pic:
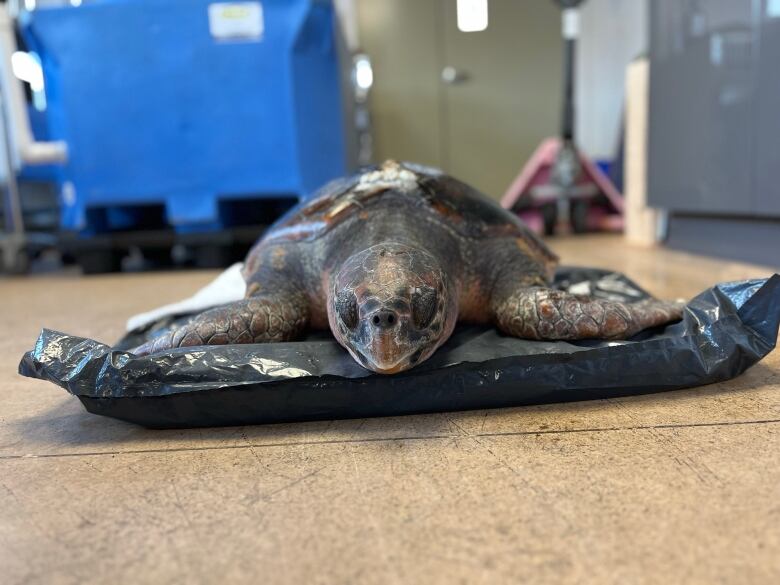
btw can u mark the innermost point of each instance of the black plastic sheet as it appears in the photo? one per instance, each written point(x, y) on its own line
point(724, 330)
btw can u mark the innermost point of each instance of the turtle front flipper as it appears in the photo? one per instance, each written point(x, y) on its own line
point(544, 313)
point(258, 319)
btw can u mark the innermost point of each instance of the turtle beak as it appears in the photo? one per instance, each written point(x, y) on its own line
point(385, 354)
point(382, 352)
point(393, 370)
point(380, 367)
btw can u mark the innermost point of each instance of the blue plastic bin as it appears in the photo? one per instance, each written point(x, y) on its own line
point(174, 109)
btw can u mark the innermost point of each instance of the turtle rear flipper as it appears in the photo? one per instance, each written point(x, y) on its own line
point(549, 314)
point(253, 320)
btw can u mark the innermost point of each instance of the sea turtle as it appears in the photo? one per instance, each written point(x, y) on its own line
point(390, 259)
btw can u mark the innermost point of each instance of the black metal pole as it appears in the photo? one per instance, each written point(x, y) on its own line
point(570, 32)
point(569, 58)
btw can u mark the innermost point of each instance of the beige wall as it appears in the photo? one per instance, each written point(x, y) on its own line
point(347, 13)
point(400, 37)
point(613, 33)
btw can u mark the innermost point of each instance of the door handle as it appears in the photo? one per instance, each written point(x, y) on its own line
point(453, 76)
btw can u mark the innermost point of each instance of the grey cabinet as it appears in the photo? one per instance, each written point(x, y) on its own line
point(714, 133)
point(766, 152)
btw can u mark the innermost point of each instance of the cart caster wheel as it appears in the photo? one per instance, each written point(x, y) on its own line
point(579, 216)
point(99, 261)
point(158, 257)
point(212, 256)
point(18, 264)
point(549, 213)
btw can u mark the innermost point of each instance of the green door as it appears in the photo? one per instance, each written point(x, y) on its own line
point(474, 103)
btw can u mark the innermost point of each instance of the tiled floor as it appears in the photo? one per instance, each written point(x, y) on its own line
point(676, 487)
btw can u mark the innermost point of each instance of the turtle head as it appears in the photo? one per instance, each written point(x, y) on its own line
point(391, 306)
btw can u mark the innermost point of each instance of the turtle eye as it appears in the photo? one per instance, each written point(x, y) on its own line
point(346, 309)
point(423, 307)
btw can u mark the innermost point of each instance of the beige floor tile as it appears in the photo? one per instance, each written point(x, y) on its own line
point(682, 505)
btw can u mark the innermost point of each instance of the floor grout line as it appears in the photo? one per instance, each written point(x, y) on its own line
point(391, 439)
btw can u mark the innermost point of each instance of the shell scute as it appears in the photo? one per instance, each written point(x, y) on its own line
point(462, 207)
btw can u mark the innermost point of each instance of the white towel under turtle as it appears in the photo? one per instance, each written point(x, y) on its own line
point(229, 286)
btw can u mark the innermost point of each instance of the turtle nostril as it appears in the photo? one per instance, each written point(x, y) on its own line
point(384, 319)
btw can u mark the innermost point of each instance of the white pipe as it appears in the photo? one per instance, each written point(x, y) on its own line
point(26, 149)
